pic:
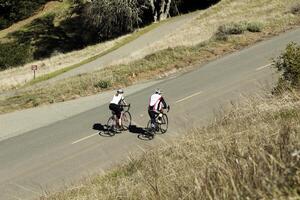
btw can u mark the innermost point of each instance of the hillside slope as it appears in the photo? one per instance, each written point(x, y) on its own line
point(274, 15)
point(250, 152)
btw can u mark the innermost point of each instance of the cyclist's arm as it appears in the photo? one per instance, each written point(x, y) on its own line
point(123, 102)
point(164, 103)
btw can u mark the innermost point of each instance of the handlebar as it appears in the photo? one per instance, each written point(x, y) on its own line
point(168, 109)
point(128, 107)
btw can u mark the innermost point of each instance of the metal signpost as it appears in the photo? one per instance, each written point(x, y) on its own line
point(34, 68)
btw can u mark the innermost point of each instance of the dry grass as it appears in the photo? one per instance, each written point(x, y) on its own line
point(251, 152)
point(170, 60)
point(272, 14)
point(55, 65)
point(163, 63)
point(268, 12)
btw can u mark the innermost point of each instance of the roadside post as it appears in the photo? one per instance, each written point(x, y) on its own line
point(34, 68)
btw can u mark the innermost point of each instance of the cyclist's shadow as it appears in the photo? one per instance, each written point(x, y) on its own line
point(103, 130)
point(143, 134)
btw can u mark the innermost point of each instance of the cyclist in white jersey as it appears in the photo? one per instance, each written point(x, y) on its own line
point(116, 105)
point(156, 104)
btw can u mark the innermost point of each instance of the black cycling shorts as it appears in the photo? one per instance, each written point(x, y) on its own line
point(116, 108)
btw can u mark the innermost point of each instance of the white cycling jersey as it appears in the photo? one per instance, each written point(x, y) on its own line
point(155, 102)
point(117, 99)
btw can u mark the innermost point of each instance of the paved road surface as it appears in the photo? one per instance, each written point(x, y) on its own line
point(52, 156)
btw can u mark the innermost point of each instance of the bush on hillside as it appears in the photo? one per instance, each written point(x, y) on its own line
point(112, 18)
point(15, 10)
point(233, 28)
point(236, 28)
point(12, 54)
point(288, 64)
point(255, 27)
point(103, 84)
point(295, 9)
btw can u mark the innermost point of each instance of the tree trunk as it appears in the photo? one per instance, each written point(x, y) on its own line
point(160, 9)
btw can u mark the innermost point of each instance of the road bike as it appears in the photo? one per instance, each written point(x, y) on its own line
point(161, 123)
point(125, 119)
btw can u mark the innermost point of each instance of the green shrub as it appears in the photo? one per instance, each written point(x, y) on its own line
point(295, 9)
point(103, 84)
point(233, 28)
point(255, 26)
point(288, 63)
point(112, 18)
point(15, 10)
point(12, 54)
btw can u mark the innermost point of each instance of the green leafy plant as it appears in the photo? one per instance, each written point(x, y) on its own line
point(233, 28)
point(288, 64)
point(295, 9)
point(255, 27)
point(103, 84)
point(12, 54)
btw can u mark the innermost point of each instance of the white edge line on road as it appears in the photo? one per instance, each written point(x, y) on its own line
point(87, 137)
point(263, 67)
point(188, 97)
point(25, 188)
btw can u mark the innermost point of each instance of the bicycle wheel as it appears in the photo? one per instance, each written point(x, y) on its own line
point(150, 131)
point(126, 120)
point(149, 125)
point(111, 124)
point(163, 126)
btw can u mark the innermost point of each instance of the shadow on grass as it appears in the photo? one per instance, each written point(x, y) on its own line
point(48, 39)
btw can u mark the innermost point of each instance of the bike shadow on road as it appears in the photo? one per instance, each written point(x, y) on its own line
point(103, 130)
point(143, 134)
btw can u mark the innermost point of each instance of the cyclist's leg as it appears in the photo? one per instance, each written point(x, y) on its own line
point(119, 115)
point(152, 115)
point(115, 109)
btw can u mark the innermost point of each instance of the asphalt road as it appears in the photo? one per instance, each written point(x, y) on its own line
point(53, 156)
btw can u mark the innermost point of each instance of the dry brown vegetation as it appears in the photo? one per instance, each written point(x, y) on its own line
point(275, 15)
point(250, 152)
point(165, 62)
point(168, 61)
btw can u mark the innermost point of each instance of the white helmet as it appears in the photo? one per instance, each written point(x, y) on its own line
point(158, 91)
point(120, 91)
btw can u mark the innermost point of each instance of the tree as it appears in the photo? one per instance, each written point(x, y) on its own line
point(288, 64)
point(160, 9)
point(14, 10)
point(112, 18)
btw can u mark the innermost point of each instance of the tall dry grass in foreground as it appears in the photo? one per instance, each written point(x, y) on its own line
point(251, 152)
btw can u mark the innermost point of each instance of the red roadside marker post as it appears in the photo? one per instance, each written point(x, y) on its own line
point(34, 68)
